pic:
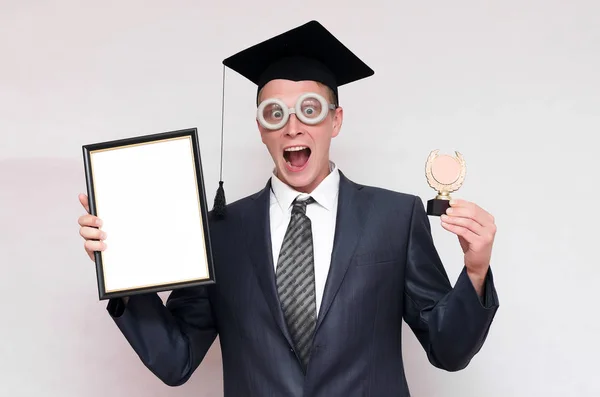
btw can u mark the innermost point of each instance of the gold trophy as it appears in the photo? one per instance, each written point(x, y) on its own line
point(445, 174)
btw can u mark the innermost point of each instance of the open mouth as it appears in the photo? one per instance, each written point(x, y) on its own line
point(296, 157)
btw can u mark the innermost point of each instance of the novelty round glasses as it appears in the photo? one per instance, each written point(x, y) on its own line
point(310, 109)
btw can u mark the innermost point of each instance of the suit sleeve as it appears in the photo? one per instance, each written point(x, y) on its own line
point(450, 323)
point(171, 340)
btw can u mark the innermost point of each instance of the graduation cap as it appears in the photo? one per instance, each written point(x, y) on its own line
point(307, 52)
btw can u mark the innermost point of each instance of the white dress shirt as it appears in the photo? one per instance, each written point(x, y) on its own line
point(322, 214)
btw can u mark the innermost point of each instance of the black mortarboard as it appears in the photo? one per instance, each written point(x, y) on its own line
point(307, 52)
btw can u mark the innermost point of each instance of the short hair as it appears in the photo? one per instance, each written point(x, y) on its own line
point(331, 97)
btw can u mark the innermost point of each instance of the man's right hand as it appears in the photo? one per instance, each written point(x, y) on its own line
point(90, 230)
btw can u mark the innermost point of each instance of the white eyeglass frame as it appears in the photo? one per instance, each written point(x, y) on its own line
point(325, 108)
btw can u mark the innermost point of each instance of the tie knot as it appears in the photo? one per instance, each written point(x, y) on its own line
point(300, 205)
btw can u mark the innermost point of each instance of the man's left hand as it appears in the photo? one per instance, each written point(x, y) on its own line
point(476, 230)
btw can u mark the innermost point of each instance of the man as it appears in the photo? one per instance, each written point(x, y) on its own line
point(315, 273)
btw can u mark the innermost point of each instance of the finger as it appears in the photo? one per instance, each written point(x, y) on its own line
point(465, 213)
point(466, 209)
point(91, 245)
point(461, 231)
point(83, 199)
point(464, 222)
point(90, 220)
point(476, 208)
point(92, 233)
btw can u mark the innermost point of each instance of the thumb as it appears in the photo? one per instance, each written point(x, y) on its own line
point(83, 199)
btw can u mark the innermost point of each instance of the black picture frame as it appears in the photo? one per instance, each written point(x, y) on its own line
point(103, 174)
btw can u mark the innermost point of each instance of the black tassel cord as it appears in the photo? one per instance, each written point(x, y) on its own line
point(220, 205)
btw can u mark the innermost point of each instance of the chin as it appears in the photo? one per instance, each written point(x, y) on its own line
point(299, 167)
point(301, 180)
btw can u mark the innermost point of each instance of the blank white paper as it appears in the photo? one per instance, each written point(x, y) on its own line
point(147, 198)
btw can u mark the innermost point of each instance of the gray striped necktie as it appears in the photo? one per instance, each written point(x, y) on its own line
point(296, 280)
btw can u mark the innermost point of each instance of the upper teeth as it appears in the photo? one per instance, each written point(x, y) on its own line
point(295, 148)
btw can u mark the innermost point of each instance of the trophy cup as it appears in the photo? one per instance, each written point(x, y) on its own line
point(445, 174)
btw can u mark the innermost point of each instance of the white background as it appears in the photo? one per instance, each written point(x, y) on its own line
point(513, 85)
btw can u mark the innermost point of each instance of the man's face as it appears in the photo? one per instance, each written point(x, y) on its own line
point(302, 169)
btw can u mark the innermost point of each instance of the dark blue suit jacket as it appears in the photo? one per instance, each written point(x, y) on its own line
point(384, 269)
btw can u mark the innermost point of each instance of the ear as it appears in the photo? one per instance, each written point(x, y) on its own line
point(338, 119)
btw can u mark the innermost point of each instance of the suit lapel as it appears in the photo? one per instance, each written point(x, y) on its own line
point(351, 216)
point(258, 236)
point(349, 224)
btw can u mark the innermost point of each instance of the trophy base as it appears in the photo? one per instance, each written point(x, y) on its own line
point(437, 207)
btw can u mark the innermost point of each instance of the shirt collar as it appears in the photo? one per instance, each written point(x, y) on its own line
point(325, 194)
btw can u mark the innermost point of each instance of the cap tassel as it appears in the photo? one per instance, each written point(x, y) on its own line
point(220, 204)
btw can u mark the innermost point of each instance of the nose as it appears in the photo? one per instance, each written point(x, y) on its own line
point(294, 126)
